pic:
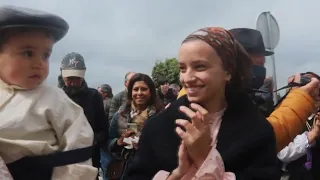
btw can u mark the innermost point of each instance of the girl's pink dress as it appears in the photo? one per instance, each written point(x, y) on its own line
point(4, 172)
point(213, 167)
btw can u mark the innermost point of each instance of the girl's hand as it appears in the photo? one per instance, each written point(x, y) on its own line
point(184, 163)
point(197, 137)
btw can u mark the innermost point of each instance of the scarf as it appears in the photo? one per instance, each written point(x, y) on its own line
point(131, 114)
point(234, 57)
point(139, 117)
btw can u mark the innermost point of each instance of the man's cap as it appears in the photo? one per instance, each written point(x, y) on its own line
point(251, 40)
point(19, 17)
point(106, 88)
point(73, 65)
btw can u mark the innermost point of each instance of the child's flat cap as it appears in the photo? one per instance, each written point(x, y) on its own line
point(14, 16)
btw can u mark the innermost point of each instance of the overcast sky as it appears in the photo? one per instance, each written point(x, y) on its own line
point(130, 35)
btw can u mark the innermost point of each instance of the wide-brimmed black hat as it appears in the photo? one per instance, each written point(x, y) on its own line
point(19, 17)
point(251, 40)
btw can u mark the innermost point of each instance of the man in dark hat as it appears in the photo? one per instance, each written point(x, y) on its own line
point(73, 71)
point(252, 41)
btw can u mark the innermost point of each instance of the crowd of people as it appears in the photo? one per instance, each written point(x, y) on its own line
point(219, 123)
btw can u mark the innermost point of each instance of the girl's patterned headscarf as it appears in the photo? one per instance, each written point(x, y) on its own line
point(234, 57)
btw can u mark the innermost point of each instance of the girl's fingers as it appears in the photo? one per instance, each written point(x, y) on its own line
point(187, 125)
point(199, 108)
point(187, 111)
point(197, 121)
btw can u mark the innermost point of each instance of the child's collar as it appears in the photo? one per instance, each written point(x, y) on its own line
point(4, 85)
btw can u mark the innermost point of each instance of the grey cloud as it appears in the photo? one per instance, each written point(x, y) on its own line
point(120, 36)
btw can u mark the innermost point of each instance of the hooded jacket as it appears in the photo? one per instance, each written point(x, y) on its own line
point(91, 102)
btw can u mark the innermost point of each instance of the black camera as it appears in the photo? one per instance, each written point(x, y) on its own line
point(303, 81)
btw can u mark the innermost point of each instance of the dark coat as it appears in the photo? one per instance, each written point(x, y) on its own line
point(92, 104)
point(246, 142)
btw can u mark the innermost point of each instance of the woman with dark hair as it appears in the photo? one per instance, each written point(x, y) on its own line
point(215, 124)
point(130, 118)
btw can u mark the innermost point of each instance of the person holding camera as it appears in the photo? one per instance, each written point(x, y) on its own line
point(300, 160)
point(288, 118)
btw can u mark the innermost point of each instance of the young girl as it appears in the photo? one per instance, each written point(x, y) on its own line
point(216, 116)
point(43, 134)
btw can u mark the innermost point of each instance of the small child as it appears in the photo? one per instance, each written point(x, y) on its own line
point(43, 134)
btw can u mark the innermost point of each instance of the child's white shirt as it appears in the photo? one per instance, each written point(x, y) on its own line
point(42, 121)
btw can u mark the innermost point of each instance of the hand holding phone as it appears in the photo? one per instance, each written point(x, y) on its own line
point(133, 127)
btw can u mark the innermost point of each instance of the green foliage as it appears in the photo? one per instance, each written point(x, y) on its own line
point(169, 68)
